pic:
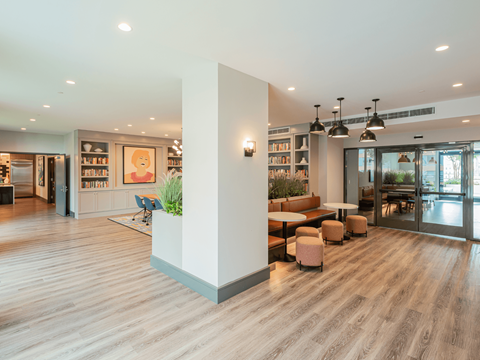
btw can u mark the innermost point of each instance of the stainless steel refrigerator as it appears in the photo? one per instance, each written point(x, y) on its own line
point(22, 177)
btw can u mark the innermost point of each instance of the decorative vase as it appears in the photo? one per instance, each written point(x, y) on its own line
point(303, 161)
point(87, 147)
point(304, 146)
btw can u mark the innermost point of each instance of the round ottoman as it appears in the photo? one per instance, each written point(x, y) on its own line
point(306, 231)
point(357, 225)
point(309, 251)
point(332, 230)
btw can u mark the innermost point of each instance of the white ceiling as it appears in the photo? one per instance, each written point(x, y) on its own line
point(326, 49)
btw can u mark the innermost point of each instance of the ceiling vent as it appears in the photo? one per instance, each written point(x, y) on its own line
point(388, 116)
point(279, 131)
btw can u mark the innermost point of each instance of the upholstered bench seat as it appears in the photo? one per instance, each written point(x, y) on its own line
point(274, 241)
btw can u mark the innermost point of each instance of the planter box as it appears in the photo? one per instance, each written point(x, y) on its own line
point(167, 237)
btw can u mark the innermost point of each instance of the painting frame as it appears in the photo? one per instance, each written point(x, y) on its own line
point(132, 156)
point(41, 170)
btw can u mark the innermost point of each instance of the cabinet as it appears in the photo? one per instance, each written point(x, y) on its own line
point(95, 201)
point(125, 199)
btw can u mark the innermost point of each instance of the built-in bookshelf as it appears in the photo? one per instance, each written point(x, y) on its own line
point(280, 157)
point(94, 165)
point(174, 161)
point(302, 157)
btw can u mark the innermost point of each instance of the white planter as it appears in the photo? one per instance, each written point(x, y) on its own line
point(167, 237)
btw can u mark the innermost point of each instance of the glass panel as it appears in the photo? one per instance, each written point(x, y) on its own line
point(398, 185)
point(476, 191)
point(441, 170)
point(366, 193)
point(442, 210)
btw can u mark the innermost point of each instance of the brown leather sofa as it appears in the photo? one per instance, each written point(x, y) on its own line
point(307, 206)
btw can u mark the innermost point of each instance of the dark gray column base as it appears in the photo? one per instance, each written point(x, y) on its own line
point(211, 292)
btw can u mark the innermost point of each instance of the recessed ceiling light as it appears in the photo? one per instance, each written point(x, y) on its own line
point(129, 125)
point(33, 120)
point(23, 129)
point(71, 82)
point(466, 120)
point(152, 118)
point(336, 107)
point(46, 106)
point(115, 129)
point(124, 27)
point(166, 134)
point(457, 85)
point(143, 132)
point(291, 88)
point(441, 48)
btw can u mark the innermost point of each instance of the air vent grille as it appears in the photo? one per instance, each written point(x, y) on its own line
point(388, 116)
point(278, 131)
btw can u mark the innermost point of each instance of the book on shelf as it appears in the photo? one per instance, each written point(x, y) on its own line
point(174, 162)
point(279, 146)
point(276, 172)
point(96, 184)
point(304, 173)
point(279, 160)
point(94, 160)
point(305, 187)
point(94, 172)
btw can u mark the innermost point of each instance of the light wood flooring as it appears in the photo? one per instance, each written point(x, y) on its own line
point(84, 289)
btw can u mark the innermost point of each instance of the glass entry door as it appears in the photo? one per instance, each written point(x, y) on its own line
point(442, 191)
point(423, 189)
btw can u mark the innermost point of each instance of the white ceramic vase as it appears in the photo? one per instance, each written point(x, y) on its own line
point(303, 161)
point(304, 146)
point(87, 147)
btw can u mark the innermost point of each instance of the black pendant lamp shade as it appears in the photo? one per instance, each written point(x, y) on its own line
point(375, 123)
point(367, 135)
point(317, 127)
point(340, 131)
point(330, 132)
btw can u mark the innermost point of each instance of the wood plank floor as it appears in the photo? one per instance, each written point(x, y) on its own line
point(84, 289)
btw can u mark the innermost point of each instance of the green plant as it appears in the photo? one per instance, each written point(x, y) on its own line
point(453, 181)
point(389, 177)
point(169, 190)
point(400, 177)
point(409, 177)
point(282, 187)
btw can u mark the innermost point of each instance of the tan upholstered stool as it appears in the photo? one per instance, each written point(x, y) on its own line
point(309, 251)
point(332, 230)
point(306, 231)
point(357, 225)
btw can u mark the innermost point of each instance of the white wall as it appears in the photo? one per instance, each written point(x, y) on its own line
point(225, 212)
point(334, 170)
point(26, 142)
point(243, 223)
point(322, 169)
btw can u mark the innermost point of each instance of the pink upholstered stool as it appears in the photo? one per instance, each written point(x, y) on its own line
point(357, 225)
point(306, 231)
point(309, 252)
point(332, 230)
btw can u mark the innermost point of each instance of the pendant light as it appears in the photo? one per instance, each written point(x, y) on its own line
point(330, 132)
point(367, 135)
point(317, 127)
point(341, 131)
point(375, 123)
point(402, 159)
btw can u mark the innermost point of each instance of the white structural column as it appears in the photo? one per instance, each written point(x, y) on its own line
point(225, 222)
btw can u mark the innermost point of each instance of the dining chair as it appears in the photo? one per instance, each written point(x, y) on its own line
point(150, 207)
point(158, 205)
point(141, 205)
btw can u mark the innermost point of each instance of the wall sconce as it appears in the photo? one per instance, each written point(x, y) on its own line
point(250, 147)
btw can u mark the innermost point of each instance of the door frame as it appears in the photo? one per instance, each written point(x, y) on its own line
point(468, 202)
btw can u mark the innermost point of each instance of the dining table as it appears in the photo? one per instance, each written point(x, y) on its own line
point(285, 217)
point(340, 207)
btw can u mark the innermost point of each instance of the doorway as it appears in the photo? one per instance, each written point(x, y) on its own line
point(51, 180)
point(423, 188)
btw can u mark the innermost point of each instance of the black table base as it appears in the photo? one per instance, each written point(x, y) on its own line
point(287, 257)
point(340, 218)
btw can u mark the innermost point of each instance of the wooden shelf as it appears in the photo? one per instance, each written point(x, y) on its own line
point(89, 177)
point(277, 152)
point(301, 149)
point(177, 157)
point(279, 164)
point(302, 164)
point(175, 165)
point(94, 189)
point(95, 153)
point(94, 164)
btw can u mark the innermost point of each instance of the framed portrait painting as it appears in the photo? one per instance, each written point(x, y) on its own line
point(41, 170)
point(138, 165)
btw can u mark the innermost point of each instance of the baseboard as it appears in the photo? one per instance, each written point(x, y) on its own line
point(42, 199)
point(211, 292)
point(107, 213)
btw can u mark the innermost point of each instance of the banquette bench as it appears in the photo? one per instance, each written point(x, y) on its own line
point(308, 207)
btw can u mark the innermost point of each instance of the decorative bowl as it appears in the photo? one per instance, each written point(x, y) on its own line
point(98, 150)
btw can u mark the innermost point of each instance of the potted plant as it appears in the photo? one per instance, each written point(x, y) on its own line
point(167, 223)
point(281, 186)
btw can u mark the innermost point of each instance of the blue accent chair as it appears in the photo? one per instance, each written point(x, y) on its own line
point(150, 207)
point(141, 205)
point(158, 205)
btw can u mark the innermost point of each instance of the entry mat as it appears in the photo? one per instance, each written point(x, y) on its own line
point(137, 225)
